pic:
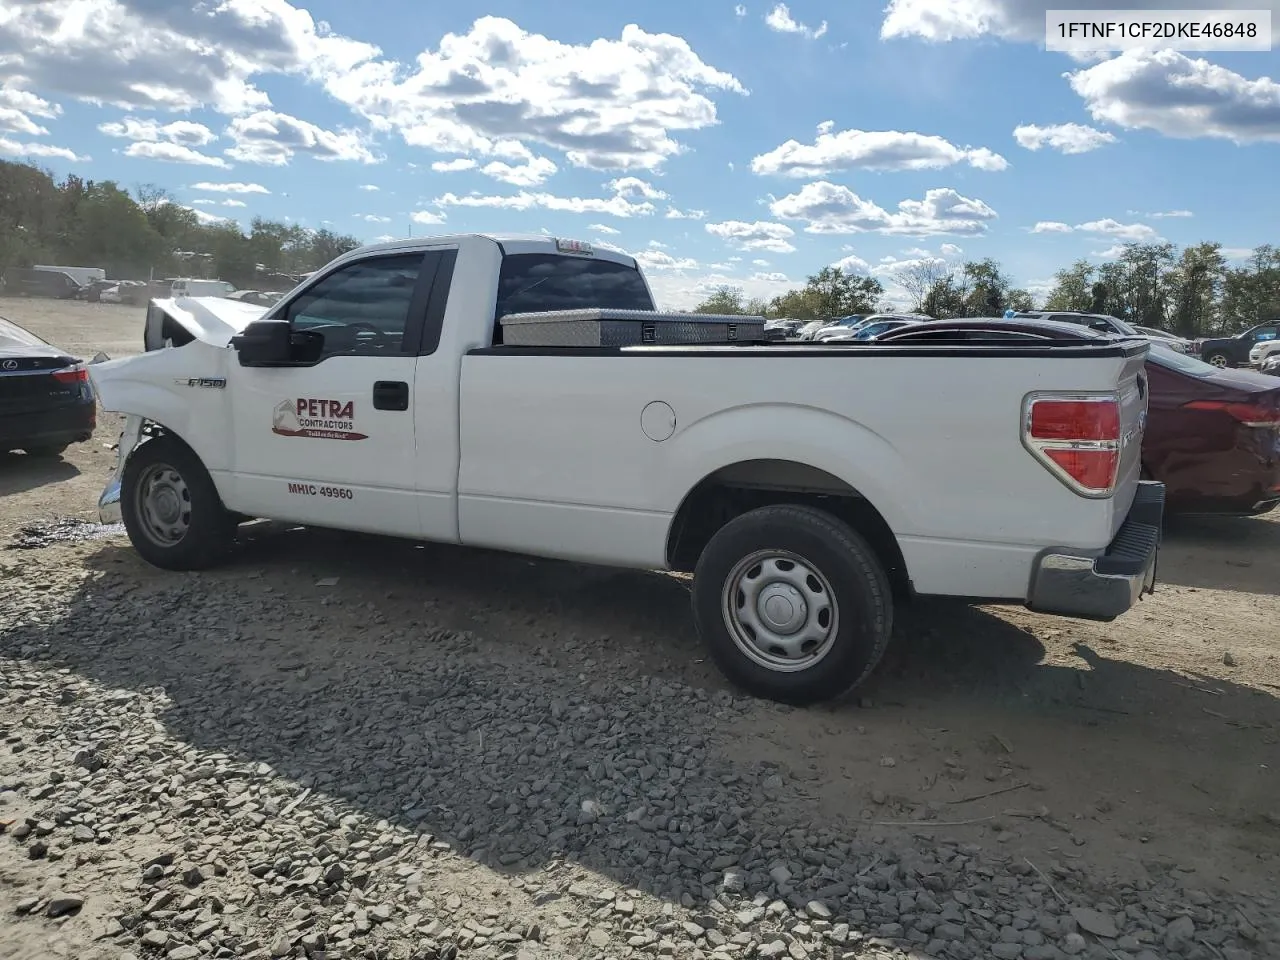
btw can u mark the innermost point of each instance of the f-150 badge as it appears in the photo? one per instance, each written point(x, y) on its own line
point(318, 419)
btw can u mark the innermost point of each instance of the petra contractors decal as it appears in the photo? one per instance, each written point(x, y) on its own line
point(318, 419)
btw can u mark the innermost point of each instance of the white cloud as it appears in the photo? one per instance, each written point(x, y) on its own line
point(829, 208)
point(1113, 228)
point(231, 202)
point(1064, 137)
point(658, 245)
point(530, 173)
point(740, 11)
point(779, 20)
point(633, 188)
point(950, 250)
point(272, 138)
point(617, 206)
point(760, 263)
point(207, 218)
point(372, 218)
point(370, 187)
point(1106, 227)
point(893, 267)
point(174, 56)
point(675, 214)
point(603, 228)
point(609, 104)
point(16, 98)
point(14, 148)
point(1171, 213)
point(1177, 96)
point(1051, 226)
point(870, 150)
point(769, 277)
point(680, 290)
point(428, 217)
point(205, 186)
point(456, 165)
point(1110, 253)
point(760, 235)
point(853, 264)
point(661, 260)
point(184, 132)
point(172, 153)
point(13, 120)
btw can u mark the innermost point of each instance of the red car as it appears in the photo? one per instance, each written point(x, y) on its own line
point(1212, 435)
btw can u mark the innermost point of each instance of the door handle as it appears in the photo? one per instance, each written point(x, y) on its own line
point(390, 395)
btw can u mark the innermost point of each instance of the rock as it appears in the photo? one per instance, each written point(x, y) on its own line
point(184, 952)
point(158, 939)
point(1073, 944)
point(1228, 659)
point(61, 904)
point(281, 946)
point(780, 874)
point(1006, 951)
point(1179, 932)
point(1095, 922)
point(818, 910)
point(598, 937)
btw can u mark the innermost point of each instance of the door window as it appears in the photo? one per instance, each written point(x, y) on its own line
point(361, 309)
point(1265, 333)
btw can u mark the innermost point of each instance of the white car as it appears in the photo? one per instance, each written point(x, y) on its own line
point(1262, 351)
point(435, 388)
point(1170, 340)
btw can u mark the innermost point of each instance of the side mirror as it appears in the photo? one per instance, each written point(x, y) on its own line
point(264, 343)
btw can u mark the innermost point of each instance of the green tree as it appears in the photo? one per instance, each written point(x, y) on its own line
point(724, 300)
point(1073, 288)
point(1251, 293)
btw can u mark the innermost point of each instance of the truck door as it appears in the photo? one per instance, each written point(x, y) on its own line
point(332, 442)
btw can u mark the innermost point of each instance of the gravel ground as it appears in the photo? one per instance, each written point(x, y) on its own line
point(345, 746)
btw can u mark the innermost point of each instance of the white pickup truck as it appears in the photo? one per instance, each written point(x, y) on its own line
point(804, 485)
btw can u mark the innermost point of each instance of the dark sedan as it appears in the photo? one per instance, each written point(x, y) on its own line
point(46, 399)
point(1213, 435)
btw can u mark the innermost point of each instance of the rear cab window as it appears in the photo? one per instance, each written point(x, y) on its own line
point(536, 282)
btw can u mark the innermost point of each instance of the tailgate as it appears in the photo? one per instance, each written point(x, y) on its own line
point(1132, 390)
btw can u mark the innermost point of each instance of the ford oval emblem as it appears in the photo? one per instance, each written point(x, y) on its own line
point(9, 365)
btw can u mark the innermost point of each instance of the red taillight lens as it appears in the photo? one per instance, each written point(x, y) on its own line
point(1078, 439)
point(1075, 420)
point(71, 375)
point(1249, 414)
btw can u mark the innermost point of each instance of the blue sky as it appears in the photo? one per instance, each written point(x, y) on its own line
point(749, 144)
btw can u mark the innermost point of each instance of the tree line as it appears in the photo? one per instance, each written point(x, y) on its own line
point(133, 235)
point(1192, 292)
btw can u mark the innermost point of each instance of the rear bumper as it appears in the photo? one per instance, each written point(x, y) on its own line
point(68, 424)
point(1071, 583)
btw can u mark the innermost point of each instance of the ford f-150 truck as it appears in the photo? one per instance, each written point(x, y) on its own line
point(805, 486)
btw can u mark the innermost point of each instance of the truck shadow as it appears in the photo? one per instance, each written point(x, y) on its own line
point(428, 681)
point(20, 473)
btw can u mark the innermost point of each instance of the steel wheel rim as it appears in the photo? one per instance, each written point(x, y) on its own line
point(1218, 361)
point(164, 505)
point(780, 611)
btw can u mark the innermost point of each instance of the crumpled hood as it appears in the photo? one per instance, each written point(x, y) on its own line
point(214, 320)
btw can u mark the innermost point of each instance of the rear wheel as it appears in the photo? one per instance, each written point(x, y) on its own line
point(1218, 359)
point(46, 449)
point(171, 508)
point(792, 603)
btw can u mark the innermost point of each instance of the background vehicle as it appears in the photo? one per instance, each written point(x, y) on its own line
point(1171, 340)
point(46, 400)
point(837, 328)
point(186, 287)
point(1098, 321)
point(257, 297)
point(881, 322)
point(81, 275)
point(1234, 351)
point(385, 395)
point(1213, 435)
point(40, 282)
point(810, 329)
point(1262, 350)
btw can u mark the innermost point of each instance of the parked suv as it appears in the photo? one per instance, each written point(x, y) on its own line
point(1234, 351)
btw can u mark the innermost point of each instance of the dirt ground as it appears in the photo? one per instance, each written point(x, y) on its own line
point(1149, 743)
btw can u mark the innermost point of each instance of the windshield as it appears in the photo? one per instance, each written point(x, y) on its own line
point(871, 330)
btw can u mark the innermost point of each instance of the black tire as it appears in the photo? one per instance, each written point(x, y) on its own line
point(46, 450)
point(863, 603)
point(1218, 359)
point(209, 529)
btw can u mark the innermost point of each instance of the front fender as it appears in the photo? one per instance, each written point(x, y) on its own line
point(171, 387)
point(812, 436)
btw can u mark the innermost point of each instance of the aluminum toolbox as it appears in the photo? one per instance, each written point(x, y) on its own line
point(600, 327)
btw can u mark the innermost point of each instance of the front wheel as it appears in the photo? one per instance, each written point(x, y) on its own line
point(793, 604)
point(171, 508)
point(1218, 360)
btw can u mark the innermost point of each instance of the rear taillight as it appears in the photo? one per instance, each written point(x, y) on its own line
point(1249, 414)
point(72, 375)
point(1077, 438)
